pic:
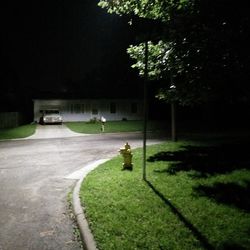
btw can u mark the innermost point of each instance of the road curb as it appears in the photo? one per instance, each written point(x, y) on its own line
point(85, 232)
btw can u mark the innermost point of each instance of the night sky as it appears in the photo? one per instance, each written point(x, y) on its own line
point(63, 49)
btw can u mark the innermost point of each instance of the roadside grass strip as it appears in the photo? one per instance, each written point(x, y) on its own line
point(18, 132)
point(113, 126)
point(195, 197)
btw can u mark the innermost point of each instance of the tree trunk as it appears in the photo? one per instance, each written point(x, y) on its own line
point(173, 122)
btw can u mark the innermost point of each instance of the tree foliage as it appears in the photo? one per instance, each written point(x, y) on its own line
point(154, 9)
point(201, 53)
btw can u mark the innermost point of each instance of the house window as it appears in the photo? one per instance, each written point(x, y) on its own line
point(82, 108)
point(64, 109)
point(112, 107)
point(134, 107)
point(94, 111)
point(72, 108)
point(77, 108)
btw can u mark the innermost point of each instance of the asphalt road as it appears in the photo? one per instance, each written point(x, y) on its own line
point(34, 184)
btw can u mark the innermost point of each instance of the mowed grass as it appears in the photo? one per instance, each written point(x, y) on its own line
point(18, 132)
point(113, 126)
point(196, 197)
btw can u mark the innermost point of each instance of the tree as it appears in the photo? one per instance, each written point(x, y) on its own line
point(202, 50)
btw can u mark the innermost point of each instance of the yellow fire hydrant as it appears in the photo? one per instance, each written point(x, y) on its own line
point(127, 157)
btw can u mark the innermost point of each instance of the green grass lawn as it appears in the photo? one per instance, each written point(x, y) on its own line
point(196, 197)
point(113, 126)
point(18, 132)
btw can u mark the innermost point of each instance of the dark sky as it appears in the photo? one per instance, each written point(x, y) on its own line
point(62, 45)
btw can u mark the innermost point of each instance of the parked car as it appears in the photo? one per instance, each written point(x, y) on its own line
point(51, 116)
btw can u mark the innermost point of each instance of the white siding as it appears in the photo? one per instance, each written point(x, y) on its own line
point(86, 109)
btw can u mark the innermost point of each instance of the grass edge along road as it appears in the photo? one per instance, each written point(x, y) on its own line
point(83, 127)
point(194, 199)
point(113, 126)
point(18, 132)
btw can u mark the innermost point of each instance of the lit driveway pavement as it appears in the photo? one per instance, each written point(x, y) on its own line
point(34, 185)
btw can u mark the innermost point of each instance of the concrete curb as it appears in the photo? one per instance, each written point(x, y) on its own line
point(86, 235)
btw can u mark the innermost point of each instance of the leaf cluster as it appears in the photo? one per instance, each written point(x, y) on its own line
point(154, 9)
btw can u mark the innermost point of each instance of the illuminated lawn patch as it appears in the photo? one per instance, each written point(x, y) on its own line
point(196, 197)
point(18, 132)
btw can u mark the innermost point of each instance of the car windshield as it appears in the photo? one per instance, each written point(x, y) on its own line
point(47, 112)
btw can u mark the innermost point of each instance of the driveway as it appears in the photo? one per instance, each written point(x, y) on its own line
point(34, 184)
point(53, 131)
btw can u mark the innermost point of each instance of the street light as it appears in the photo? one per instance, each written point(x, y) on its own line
point(145, 113)
point(147, 29)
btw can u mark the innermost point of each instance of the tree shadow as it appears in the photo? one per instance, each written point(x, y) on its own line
point(205, 160)
point(231, 194)
point(228, 245)
point(231, 246)
point(197, 234)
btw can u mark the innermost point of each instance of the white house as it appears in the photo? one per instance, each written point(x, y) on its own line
point(87, 109)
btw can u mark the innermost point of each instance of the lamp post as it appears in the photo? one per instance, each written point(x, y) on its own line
point(145, 112)
point(148, 29)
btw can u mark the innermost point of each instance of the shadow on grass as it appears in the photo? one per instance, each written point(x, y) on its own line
point(202, 239)
point(205, 160)
point(227, 193)
point(230, 246)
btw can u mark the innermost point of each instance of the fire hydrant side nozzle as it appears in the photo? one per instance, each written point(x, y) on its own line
point(127, 157)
